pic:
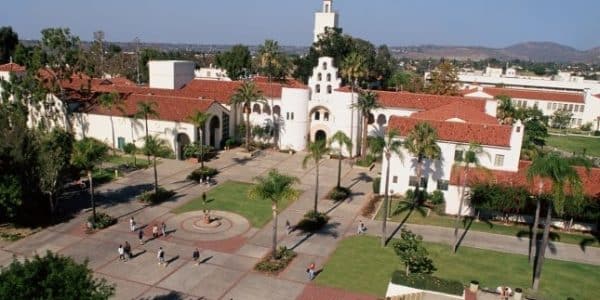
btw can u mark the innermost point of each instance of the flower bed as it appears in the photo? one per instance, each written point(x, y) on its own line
point(275, 264)
point(103, 220)
point(428, 282)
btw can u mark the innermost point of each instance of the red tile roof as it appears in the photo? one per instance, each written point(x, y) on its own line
point(484, 134)
point(458, 110)
point(590, 180)
point(11, 67)
point(535, 94)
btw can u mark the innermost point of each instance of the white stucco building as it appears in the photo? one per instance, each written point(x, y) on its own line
point(326, 18)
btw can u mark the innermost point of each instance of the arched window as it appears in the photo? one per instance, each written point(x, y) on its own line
point(329, 89)
point(246, 108)
point(277, 110)
point(256, 108)
point(328, 76)
point(317, 115)
point(267, 109)
point(319, 77)
point(381, 120)
point(326, 7)
point(324, 66)
point(371, 119)
point(318, 88)
point(326, 116)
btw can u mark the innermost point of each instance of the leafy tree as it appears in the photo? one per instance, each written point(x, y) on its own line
point(155, 147)
point(8, 43)
point(384, 65)
point(54, 163)
point(400, 80)
point(199, 119)
point(444, 79)
point(87, 153)
point(274, 187)
point(367, 102)
point(63, 55)
point(564, 177)
point(245, 96)
point(316, 152)
point(10, 196)
point(469, 161)
point(110, 101)
point(342, 141)
point(237, 61)
point(421, 142)
point(411, 251)
point(146, 109)
point(506, 110)
point(52, 277)
point(391, 147)
point(561, 118)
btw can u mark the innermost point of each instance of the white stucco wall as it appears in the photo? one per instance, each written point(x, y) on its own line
point(326, 18)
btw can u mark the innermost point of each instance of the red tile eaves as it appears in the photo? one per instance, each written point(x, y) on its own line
point(11, 67)
point(535, 94)
point(457, 110)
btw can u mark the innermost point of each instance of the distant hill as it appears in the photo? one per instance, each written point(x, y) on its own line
point(534, 51)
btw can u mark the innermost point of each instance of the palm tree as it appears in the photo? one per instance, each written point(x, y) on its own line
point(272, 63)
point(353, 69)
point(365, 104)
point(155, 147)
point(146, 109)
point(316, 151)
point(470, 160)
point(421, 142)
point(108, 101)
point(246, 95)
point(562, 174)
point(391, 146)
point(342, 140)
point(87, 153)
point(274, 187)
point(506, 110)
point(199, 120)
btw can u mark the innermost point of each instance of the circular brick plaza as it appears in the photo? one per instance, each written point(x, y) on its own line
point(222, 225)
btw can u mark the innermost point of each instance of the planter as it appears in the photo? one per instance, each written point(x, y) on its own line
point(518, 295)
point(474, 286)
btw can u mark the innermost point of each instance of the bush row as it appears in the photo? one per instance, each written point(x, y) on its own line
point(103, 220)
point(201, 173)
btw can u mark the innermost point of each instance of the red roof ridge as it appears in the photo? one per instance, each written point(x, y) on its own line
point(12, 67)
point(532, 94)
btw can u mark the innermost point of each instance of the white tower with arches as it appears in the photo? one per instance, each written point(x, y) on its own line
point(324, 19)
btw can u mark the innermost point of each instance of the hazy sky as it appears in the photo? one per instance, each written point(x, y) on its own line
point(493, 23)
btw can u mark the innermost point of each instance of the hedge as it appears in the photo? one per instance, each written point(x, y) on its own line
point(376, 185)
point(428, 282)
point(200, 173)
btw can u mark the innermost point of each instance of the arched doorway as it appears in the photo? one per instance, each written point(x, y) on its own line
point(182, 141)
point(320, 135)
point(213, 129)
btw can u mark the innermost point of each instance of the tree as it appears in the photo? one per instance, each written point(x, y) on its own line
point(506, 110)
point(561, 118)
point(342, 141)
point(316, 152)
point(236, 61)
point(246, 95)
point(353, 69)
point(199, 119)
point(8, 43)
point(392, 147)
point(274, 187)
point(444, 79)
point(384, 65)
point(366, 103)
point(54, 162)
point(155, 147)
point(52, 277)
point(400, 80)
point(564, 178)
point(411, 251)
point(108, 101)
point(87, 153)
point(470, 160)
point(421, 142)
point(131, 149)
point(146, 109)
point(62, 53)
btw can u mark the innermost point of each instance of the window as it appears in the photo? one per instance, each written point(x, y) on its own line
point(578, 122)
point(570, 107)
point(319, 77)
point(442, 185)
point(292, 116)
point(499, 160)
point(324, 66)
point(329, 89)
point(328, 77)
point(581, 108)
point(317, 115)
point(458, 155)
point(549, 107)
point(287, 115)
point(518, 129)
point(120, 143)
point(326, 116)
point(524, 103)
point(553, 106)
point(536, 104)
point(318, 88)
point(381, 120)
point(395, 179)
point(412, 181)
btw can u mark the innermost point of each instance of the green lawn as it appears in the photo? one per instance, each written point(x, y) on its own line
point(493, 227)
point(232, 196)
point(575, 144)
point(359, 264)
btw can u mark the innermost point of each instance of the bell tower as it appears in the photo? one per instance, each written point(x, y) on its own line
point(326, 18)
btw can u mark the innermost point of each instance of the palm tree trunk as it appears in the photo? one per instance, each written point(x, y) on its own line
point(201, 156)
point(275, 133)
point(533, 242)
point(274, 209)
point(460, 205)
point(112, 129)
point(542, 251)
point(89, 173)
point(248, 129)
point(363, 142)
point(385, 202)
point(155, 178)
point(339, 177)
point(316, 184)
point(146, 121)
point(352, 114)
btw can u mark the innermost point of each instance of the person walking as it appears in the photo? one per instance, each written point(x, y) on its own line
point(161, 257)
point(288, 227)
point(132, 224)
point(163, 229)
point(155, 231)
point(196, 256)
point(361, 228)
point(127, 249)
point(311, 271)
point(121, 252)
point(141, 236)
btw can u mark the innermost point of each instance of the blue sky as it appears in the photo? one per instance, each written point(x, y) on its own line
point(496, 23)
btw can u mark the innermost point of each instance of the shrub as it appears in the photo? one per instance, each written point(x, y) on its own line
point(586, 127)
point(339, 194)
point(436, 197)
point(274, 264)
point(365, 163)
point(376, 185)
point(428, 282)
point(199, 173)
point(231, 142)
point(597, 133)
point(312, 221)
point(411, 251)
point(151, 198)
point(103, 220)
point(101, 176)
